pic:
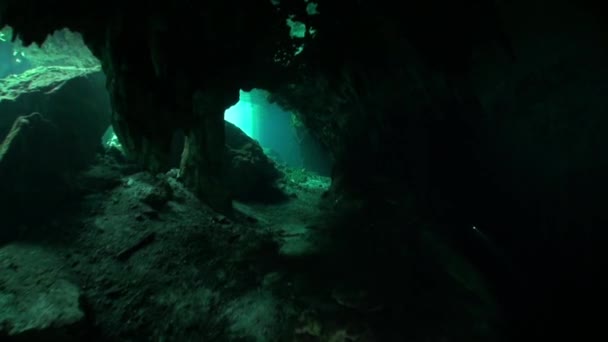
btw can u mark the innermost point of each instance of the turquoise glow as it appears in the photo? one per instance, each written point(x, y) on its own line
point(242, 115)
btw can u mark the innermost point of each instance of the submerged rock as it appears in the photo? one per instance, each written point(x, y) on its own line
point(74, 99)
point(37, 300)
point(30, 171)
point(251, 174)
point(43, 152)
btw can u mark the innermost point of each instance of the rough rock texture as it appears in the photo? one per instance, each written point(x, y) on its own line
point(176, 270)
point(38, 300)
point(186, 91)
point(481, 112)
point(251, 175)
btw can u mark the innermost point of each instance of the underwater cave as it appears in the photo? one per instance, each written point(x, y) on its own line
point(303, 170)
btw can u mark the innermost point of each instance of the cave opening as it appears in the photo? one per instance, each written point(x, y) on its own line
point(54, 113)
point(223, 225)
point(46, 68)
point(280, 133)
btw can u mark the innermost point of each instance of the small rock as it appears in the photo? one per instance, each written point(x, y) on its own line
point(158, 194)
point(221, 220)
point(357, 299)
point(173, 173)
point(152, 214)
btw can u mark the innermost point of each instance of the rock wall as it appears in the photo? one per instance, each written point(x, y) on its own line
point(435, 97)
point(488, 113)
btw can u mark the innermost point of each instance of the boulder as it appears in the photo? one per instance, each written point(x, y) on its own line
point(251, 175)
point(73, 99)
point(37, 300)
point(51, 126)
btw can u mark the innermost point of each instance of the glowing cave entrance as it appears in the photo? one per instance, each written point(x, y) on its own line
point(279, 132)
point(242, 115)
point(267, 123)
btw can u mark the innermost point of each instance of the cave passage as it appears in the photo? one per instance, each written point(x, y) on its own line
point(303, 170)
